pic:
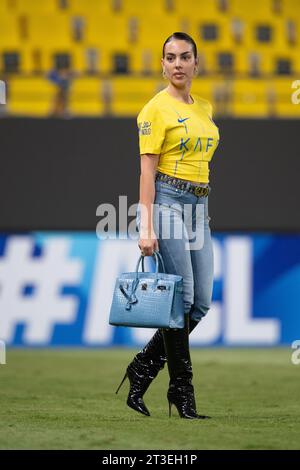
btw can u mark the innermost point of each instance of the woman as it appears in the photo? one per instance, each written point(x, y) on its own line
point(177, 140)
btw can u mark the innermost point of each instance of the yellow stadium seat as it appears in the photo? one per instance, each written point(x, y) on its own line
point(108, 32)
point(226, 36)
point(280, 35)
point(251, 9)
point(42, 39)
point(155, 36)
point(35, 59)
point(35, 7)
point(250, 98)
point(50, 31)
point(6, 6)
point(145, 60)
point(241, 61)
point(296, 60)
point(104, 58)
point(9, 37)
point(30, 96)
point(131, 94)
point(140, 57)
point(291, 9)
point(210, 58)
point(79, 59)
point(266, 62)
point(86, 97)
point(155, 9)
point(198, 8)
point(89, 8)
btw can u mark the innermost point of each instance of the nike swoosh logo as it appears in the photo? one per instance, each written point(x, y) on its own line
point(182, 120)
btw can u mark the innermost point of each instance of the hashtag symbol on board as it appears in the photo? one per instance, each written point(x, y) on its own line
point(43, 277)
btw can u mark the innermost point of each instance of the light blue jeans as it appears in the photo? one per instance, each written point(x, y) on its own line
point(181, 224)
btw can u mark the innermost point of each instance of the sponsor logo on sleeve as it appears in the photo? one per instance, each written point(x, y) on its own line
point(145, 128)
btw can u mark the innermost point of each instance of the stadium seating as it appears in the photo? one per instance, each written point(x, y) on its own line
point(86, 97)
point(32, 97)
point(121, 40)
point(250, 98)
point(130, 94)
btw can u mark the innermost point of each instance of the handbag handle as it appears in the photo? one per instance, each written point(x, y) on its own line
point(131, 297)
point(161, 261)
point(158, 258)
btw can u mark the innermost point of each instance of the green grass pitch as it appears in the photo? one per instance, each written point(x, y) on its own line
point(65, 399)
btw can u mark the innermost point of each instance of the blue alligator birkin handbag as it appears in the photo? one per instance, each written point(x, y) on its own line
point(148, 300)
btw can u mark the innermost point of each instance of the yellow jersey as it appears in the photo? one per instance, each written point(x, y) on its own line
point(184, 135)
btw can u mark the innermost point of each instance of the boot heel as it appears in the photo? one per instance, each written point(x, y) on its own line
point(123, 380)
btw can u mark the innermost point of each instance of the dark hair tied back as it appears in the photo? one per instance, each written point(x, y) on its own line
point(182, 37)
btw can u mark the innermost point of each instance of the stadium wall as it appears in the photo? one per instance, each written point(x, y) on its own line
point(55, 173)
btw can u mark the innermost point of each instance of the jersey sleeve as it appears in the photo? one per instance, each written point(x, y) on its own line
point(151, 129)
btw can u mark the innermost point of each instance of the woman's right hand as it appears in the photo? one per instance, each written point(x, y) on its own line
point(148, 245)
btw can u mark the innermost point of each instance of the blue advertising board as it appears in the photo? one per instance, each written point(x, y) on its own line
point(56, 290)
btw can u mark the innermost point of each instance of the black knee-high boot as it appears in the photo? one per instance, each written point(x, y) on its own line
point(181, 390)
point(144, 368)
